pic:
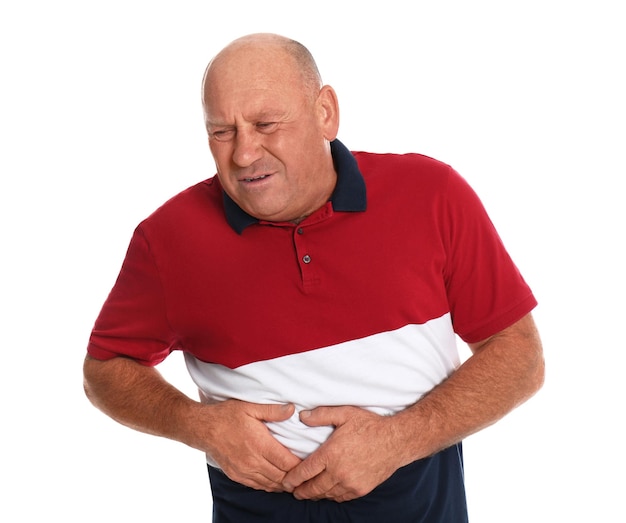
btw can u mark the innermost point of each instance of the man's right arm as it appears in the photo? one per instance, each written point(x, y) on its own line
point(231, 432)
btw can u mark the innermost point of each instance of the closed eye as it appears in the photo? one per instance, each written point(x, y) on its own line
point(267, 127)
point(223, 135)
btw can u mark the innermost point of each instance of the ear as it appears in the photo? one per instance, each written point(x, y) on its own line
point(328, 108)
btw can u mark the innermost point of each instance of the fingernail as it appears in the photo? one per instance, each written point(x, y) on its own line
point(305, 414)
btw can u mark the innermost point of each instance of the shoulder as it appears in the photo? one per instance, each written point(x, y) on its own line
point(409, 173)
point(200, 201)
point(398, 160)
point(407, 168)
point(198, 207)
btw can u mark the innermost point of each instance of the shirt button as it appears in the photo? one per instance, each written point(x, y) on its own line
point(300, 230)
point(306, 258)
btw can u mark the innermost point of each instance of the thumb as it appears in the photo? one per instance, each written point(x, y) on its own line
point(324, 416)
point(275, 412)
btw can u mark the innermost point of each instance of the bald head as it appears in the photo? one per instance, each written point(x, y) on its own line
point(270, 122)
point(271, 56)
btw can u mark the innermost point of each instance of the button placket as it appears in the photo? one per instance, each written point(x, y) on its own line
point(305, 260)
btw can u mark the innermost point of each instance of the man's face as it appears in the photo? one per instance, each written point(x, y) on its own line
point(270, 137)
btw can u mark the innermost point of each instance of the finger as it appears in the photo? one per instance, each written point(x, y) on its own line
point(261, 481)
point(280, 458)
point(325, 416)
point(271, 480)
point(273, 412)
point(262, 476)
point(305, 471)
point(320, 487)
point(248, 452)
point(276, 466)
point(324, 487)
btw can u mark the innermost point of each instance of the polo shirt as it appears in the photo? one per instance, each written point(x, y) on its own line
point(359, 304)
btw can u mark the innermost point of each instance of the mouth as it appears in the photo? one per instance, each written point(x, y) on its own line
point(253, 179)
point(256, 178)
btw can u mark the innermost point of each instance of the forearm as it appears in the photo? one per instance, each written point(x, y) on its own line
point(233, 433)
point(504, 372)
point(140, 398)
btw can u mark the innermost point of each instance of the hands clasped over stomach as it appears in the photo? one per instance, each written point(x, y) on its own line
point(357, 456)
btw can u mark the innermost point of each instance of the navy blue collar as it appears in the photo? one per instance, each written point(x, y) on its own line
point(349, 194)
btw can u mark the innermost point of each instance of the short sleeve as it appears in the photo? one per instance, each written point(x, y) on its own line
point(485, 289)
point(133, 320)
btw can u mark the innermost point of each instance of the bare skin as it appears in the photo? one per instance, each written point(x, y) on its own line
point(231, 432)
point(365, 449)
point(263, 115)
point(263, 118)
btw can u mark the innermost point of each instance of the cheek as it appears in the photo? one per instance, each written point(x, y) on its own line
point(221, 155)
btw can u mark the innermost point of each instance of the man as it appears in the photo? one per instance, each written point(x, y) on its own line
point(316, 294)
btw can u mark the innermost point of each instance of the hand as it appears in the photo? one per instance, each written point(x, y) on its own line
point(359, 455)
point(243, 447)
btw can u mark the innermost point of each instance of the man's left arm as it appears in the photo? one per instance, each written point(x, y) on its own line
point(365, 449)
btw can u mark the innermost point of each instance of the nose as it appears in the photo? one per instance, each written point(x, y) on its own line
point(247, 148)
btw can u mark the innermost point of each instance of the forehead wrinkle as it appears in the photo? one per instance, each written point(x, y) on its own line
point(267, 106)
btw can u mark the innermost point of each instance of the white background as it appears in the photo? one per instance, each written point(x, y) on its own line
point(100, 122)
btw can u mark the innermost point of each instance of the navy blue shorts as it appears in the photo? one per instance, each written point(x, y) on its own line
point(426, 491)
